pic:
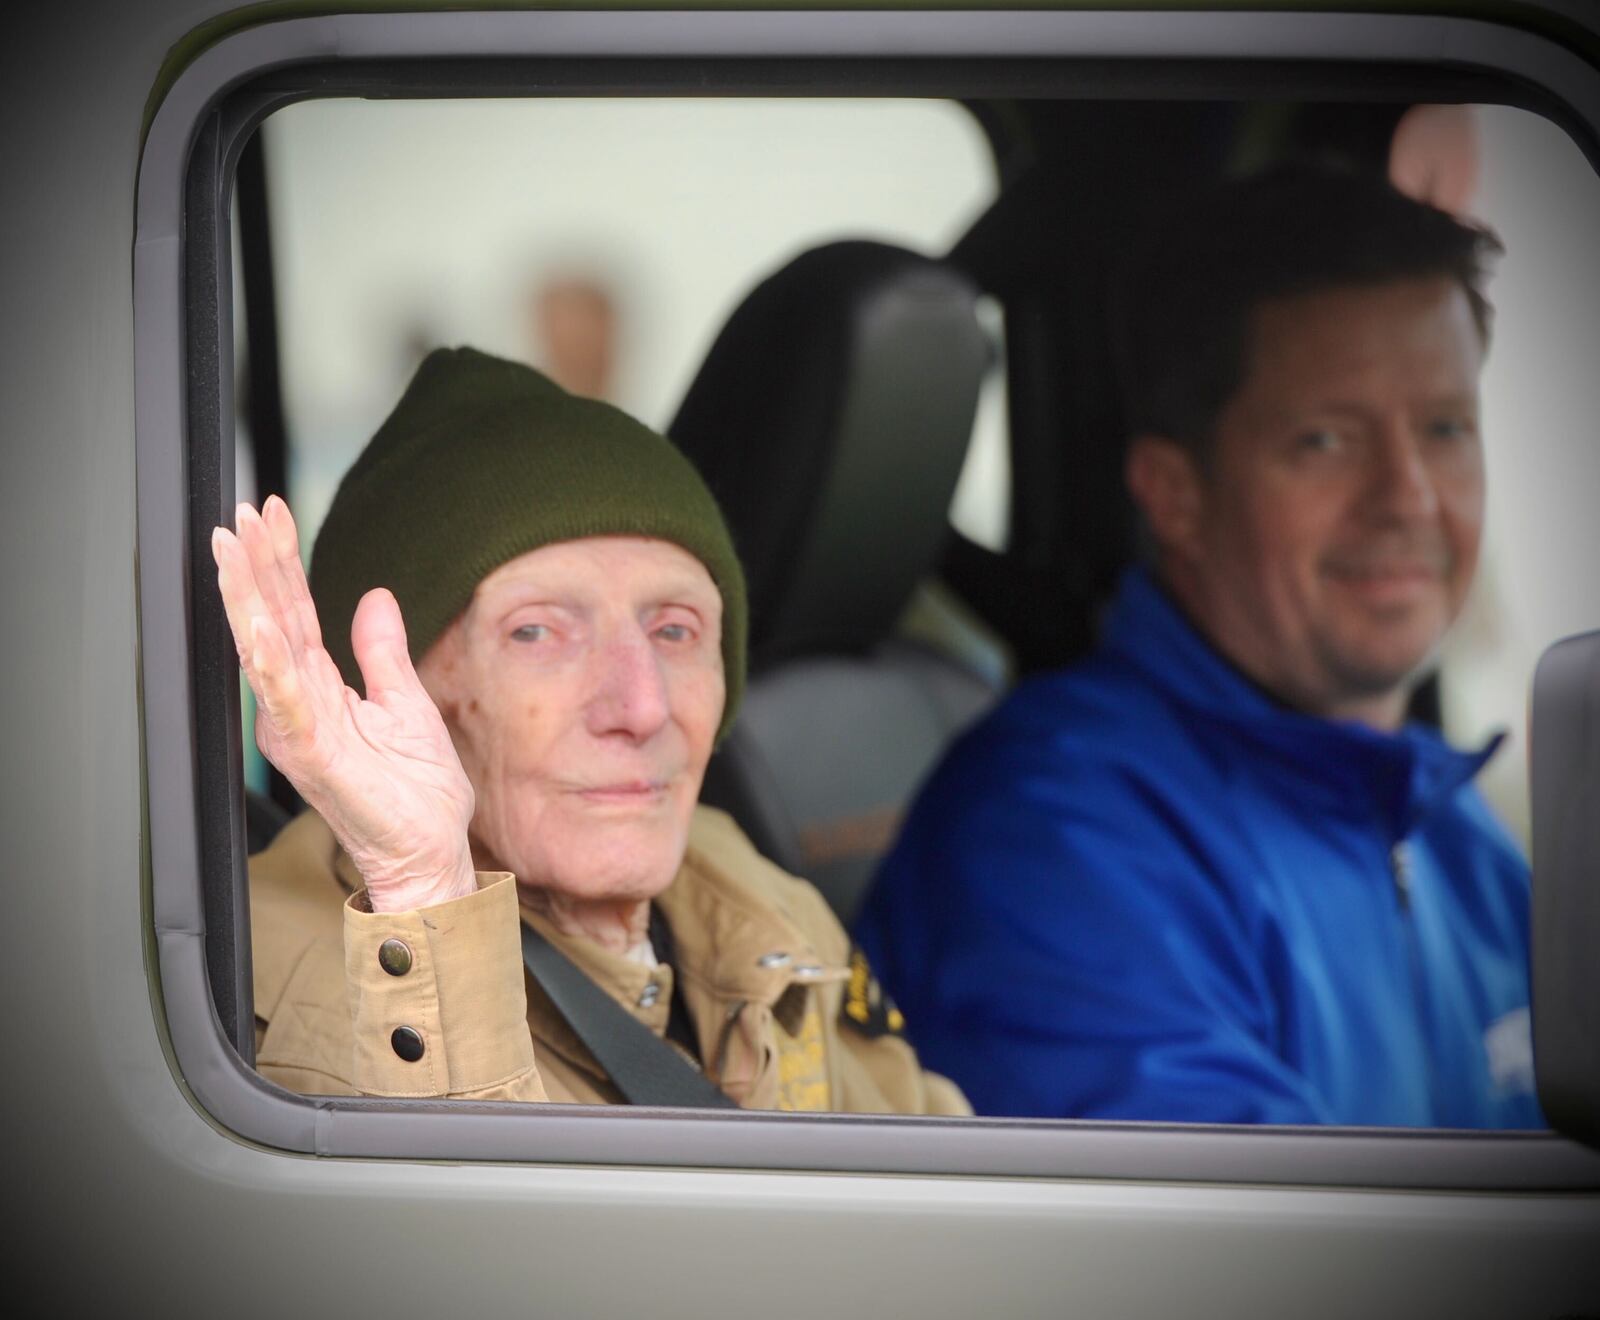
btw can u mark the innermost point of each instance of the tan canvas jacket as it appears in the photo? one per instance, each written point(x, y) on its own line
point(785, 1016)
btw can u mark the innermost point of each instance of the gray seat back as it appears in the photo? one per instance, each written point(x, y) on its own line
point(831, 419)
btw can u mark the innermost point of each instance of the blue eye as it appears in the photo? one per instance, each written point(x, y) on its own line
point(1451, 428)
point(530, 632)
point(673, 632)
point(1321, 441)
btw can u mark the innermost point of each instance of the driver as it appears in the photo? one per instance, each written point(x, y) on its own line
point(526, 746)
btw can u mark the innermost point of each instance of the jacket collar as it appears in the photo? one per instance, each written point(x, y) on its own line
point(1344, 765)
point(728, 938)
point(731, 946)
point(731, 936)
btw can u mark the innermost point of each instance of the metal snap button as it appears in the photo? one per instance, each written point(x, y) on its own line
point(407, 1043)
point(394, 956)
point(772, 960)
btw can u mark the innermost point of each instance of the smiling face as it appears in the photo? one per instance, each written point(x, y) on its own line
point(583, 688)
point(1330, 538)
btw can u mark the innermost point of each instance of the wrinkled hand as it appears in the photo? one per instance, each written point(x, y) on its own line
point(382, 771)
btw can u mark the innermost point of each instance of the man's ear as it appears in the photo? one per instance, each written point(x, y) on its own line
point(1164, 480)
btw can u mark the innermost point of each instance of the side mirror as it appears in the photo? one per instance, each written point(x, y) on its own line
point(1564, 741)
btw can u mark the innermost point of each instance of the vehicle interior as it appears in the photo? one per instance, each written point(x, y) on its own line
point(916, 435)
point(835, 413)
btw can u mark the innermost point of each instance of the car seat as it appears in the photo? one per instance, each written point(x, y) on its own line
point(263, 819)
point(830, 419)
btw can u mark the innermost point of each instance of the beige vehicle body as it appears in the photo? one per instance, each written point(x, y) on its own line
point(150, 1171)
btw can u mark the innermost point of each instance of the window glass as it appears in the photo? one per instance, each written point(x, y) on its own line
point(1537, 581)
point(608, 241)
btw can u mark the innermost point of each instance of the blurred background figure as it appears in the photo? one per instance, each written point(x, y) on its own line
point(573, 324)
point(1435, 156)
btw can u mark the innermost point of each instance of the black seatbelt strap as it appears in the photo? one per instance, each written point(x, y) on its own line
point(641, 1065)
point(680, 1031)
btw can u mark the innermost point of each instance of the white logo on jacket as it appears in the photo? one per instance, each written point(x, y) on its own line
point(1509, 1044)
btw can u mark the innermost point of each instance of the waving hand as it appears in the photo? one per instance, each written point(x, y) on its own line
point(381, 770)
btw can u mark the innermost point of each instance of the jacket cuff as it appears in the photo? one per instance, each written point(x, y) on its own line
point(436, 994)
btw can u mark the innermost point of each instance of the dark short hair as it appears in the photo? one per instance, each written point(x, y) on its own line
point(1183, 301)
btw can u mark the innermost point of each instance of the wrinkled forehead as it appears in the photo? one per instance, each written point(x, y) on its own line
point(619, 569)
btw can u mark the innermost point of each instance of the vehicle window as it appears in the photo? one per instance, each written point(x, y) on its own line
point(608, 241)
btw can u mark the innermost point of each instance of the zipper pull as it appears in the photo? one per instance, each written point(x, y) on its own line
point(1400, 869)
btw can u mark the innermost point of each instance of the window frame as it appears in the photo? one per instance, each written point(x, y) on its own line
point(183, 319)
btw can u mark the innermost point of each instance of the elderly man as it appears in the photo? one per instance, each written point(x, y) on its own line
point(1212, 873)
point(575, 612)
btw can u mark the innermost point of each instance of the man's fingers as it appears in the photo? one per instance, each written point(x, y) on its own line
point(263, 652)
point(237, 583)
point(378, 638)
point(286, 546)
point(277, 686)
point(257, 541)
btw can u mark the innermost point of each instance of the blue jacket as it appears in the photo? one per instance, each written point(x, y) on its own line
point(1142, 889)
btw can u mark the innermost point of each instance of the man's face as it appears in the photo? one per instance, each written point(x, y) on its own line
point(583, 689)
point(1335, 533)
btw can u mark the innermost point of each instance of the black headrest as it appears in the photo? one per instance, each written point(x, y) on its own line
point(830, 419)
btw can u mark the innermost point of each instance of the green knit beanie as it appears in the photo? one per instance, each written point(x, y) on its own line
point(483, 460)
